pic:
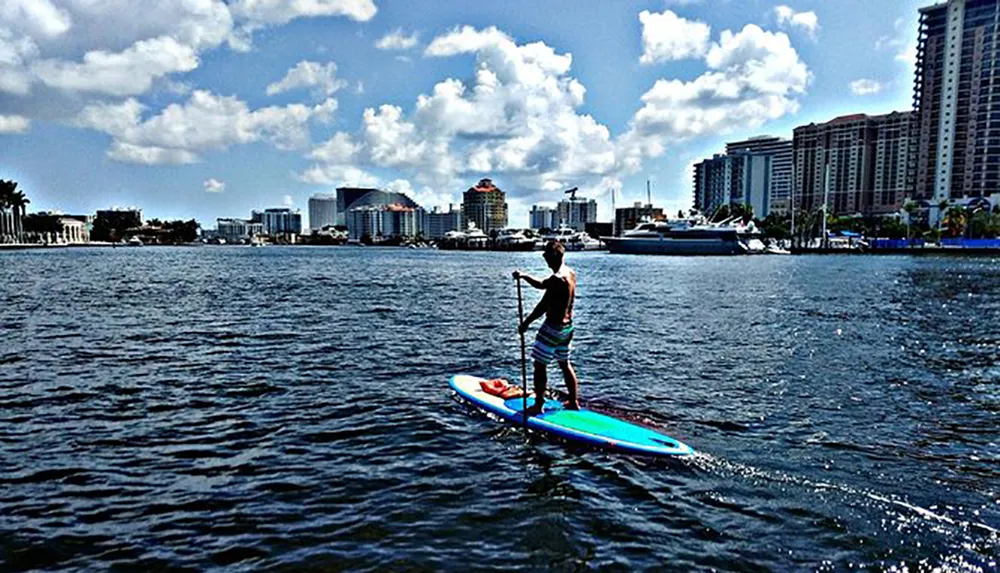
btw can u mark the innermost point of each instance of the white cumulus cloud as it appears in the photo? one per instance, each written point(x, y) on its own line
point(206, 122)
point(397, 40)
point(14, 124)
point(36, 17)
point(282, 11)
point(306, 74)
point(753, 76)
point(256, 14)
point(149, 154)
point(344, 175)
point(129, 72)
point(667, 36)
point(213, 185)
point(789, 17)
point(517, 117)
point(866, 86)
point(58, 56)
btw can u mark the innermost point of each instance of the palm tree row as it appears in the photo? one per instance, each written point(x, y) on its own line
point(13, 208)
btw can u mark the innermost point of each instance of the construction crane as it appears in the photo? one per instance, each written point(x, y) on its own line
point(571, 193)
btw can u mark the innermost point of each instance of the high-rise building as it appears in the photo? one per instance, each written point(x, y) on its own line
point(739, 177)
point(542, 217)
point(322, 210)
point(384, 221)
point(780, 175)
point(346, 196)
point(853, 164)
point(955, 97)
point(438, 222)
point(486, 206)
point(627, 218)
point(577, 212)
point(280, 221)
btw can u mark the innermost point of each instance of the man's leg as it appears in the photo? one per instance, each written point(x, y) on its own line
point(541, 381)
point(569, 375)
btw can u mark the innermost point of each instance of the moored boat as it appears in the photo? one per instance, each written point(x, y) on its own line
point(682, 237)
point(472, 239)
point(513, 240)
point(572, 239)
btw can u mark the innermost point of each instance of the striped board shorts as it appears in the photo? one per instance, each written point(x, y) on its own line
point(552, 343)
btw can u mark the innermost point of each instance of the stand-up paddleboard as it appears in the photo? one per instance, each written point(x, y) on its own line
point(583, 425)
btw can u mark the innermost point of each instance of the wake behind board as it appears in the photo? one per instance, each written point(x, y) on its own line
point(582, 425)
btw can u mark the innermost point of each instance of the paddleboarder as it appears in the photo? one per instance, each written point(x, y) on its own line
point(552, 343)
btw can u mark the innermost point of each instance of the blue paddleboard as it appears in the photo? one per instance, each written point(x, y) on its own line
point(583, 425)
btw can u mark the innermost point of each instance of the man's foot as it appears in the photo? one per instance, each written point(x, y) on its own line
point(534, 410)
point(571, 405)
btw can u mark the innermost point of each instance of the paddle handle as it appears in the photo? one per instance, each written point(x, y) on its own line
point(524, 358)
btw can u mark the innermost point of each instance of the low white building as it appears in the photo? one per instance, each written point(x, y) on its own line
point(73, 231)
point(235, 230)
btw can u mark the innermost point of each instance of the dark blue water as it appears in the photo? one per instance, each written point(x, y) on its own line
point(287, 408)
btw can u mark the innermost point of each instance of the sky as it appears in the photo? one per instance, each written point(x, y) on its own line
point(205, 109)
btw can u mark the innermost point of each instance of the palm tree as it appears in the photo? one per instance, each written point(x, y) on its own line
point(20, 204)
point(6, 194)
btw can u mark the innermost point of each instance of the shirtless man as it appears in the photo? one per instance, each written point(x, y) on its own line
point(553, 338)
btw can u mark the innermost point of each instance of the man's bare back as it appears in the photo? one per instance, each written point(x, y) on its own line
point(560, 292)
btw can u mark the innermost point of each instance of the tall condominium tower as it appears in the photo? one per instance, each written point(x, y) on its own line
point(542, 217)
point(485, 205)
point(738, 177)
point(576, 212)
point(853, 164)
point(322, 210)
point(956, 98)
point(780, 175)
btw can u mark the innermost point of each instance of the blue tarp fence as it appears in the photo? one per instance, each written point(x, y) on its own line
point(954, 243)
point(896, 243)
point(972, 243)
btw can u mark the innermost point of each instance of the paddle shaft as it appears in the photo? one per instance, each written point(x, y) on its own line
point(524, 359)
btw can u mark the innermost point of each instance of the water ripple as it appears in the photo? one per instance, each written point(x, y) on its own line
point(286, 409)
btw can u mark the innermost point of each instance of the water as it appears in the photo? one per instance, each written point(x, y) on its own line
point(287, 408)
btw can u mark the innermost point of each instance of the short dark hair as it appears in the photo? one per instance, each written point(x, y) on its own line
point(554, 248)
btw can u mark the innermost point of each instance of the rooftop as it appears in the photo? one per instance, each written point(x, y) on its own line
point(484, 186)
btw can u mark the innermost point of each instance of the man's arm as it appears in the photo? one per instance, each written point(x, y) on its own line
point(538, 284)
point(539, 311)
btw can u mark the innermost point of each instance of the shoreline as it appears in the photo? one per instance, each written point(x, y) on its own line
point(98, 245)
point(915, 251)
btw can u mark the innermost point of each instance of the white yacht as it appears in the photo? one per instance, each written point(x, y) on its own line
point(572, 239)
point(684, 237)
point(513, 240)
point(471, 239)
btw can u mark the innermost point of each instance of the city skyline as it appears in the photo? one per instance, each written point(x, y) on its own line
point(305, 105)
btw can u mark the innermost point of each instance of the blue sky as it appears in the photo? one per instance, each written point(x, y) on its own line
point(205, 109)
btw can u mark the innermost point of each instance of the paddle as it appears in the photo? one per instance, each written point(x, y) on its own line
point(524, 360)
